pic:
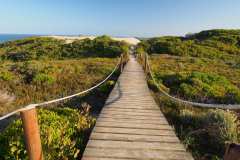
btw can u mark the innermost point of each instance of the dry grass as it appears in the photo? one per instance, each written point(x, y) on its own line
point(38, 81)
point(5, 98)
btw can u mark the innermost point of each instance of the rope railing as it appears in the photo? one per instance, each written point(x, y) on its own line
point(30, 106)
point(29, 117)
point(147, 67)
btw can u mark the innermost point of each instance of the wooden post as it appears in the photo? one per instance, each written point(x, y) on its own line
point(121, 67)
point(145, 62)
point(31, 134)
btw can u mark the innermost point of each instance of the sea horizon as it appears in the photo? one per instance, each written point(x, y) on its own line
point(5, 37)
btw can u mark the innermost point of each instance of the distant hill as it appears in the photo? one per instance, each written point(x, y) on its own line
point(202, 67)
point(55, 48)
point(71, 39)
point(218, 43)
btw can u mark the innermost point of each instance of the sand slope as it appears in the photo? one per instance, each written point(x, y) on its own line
point(70, 39)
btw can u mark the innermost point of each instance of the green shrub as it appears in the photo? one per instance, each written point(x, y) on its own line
point(104, 88)
point(224, 124)
point(203, 131)
point(203, 87)
point(38, 81)
point(201, 67)
point(210, 44)
point(42, 48)
point(6, 76)
point(208, 130)
point(62, 135)
point(42, 78)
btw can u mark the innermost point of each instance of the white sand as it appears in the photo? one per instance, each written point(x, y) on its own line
point(70, 39)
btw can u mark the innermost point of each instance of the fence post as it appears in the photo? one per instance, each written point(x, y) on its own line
point(121, 64)
point(145, 62)
point(31, 134)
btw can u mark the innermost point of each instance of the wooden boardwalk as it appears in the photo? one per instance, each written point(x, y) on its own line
point(131, 125)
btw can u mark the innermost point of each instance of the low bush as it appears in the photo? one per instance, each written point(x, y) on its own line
point(62, 135)
point(41, 48)
point(197, 79)
point(6, 76)
point(42, 78)
point(104, 88)
point(202, 87)
point(204, 132)
point(38, 81)
point(219, 44)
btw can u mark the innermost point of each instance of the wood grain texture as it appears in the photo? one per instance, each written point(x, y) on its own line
point(131, 125)
point(32, 134)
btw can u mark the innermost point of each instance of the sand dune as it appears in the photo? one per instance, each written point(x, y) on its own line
point(70, 39)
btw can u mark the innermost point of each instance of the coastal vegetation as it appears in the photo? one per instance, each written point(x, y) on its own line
point(201, 67)
point(63, 134)
point(37, 48)
point(37, 81)
point(38, 69)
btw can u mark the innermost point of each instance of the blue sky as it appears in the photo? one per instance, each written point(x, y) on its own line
point(117, 17)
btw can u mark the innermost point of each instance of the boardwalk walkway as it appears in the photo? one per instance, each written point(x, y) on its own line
point(131, 125)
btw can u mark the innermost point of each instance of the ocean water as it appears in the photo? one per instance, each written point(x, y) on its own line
point(11, 37)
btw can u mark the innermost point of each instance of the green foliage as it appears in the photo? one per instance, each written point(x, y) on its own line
point(42, 78)
point(198, 79)
point(204, 87)
point(36, 48)
point(6, 76)
point(102, 46)
point(204, 132)
point(221, 44)
point(38, 81)
point(202, 67)
point(216, 127)
point(31, 48)
point(39, 69)
point(62, 135)
point(104, 88)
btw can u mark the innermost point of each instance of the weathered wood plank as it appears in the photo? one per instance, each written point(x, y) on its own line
point(137, 121)
point(130, 110)
point(135, 145)
point(134, 131)
point(128, 116)
point(152, 113)
point(140, 154)
point(131, 125)
point(134, 137)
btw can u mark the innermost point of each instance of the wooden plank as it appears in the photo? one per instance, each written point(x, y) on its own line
point(135, 145)
point(101, 158)
point(130, 110)
point(131, 125)
point(137, 121)
point(140, 154)
point(134, 131)
point(127, 116)
point(133, 109)
point(157, 115)
point(136, 138)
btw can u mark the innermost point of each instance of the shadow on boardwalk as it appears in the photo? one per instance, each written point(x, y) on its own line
point(131, 125)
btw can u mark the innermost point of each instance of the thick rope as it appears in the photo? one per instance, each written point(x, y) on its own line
point(203, 105)
point(59, 99)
